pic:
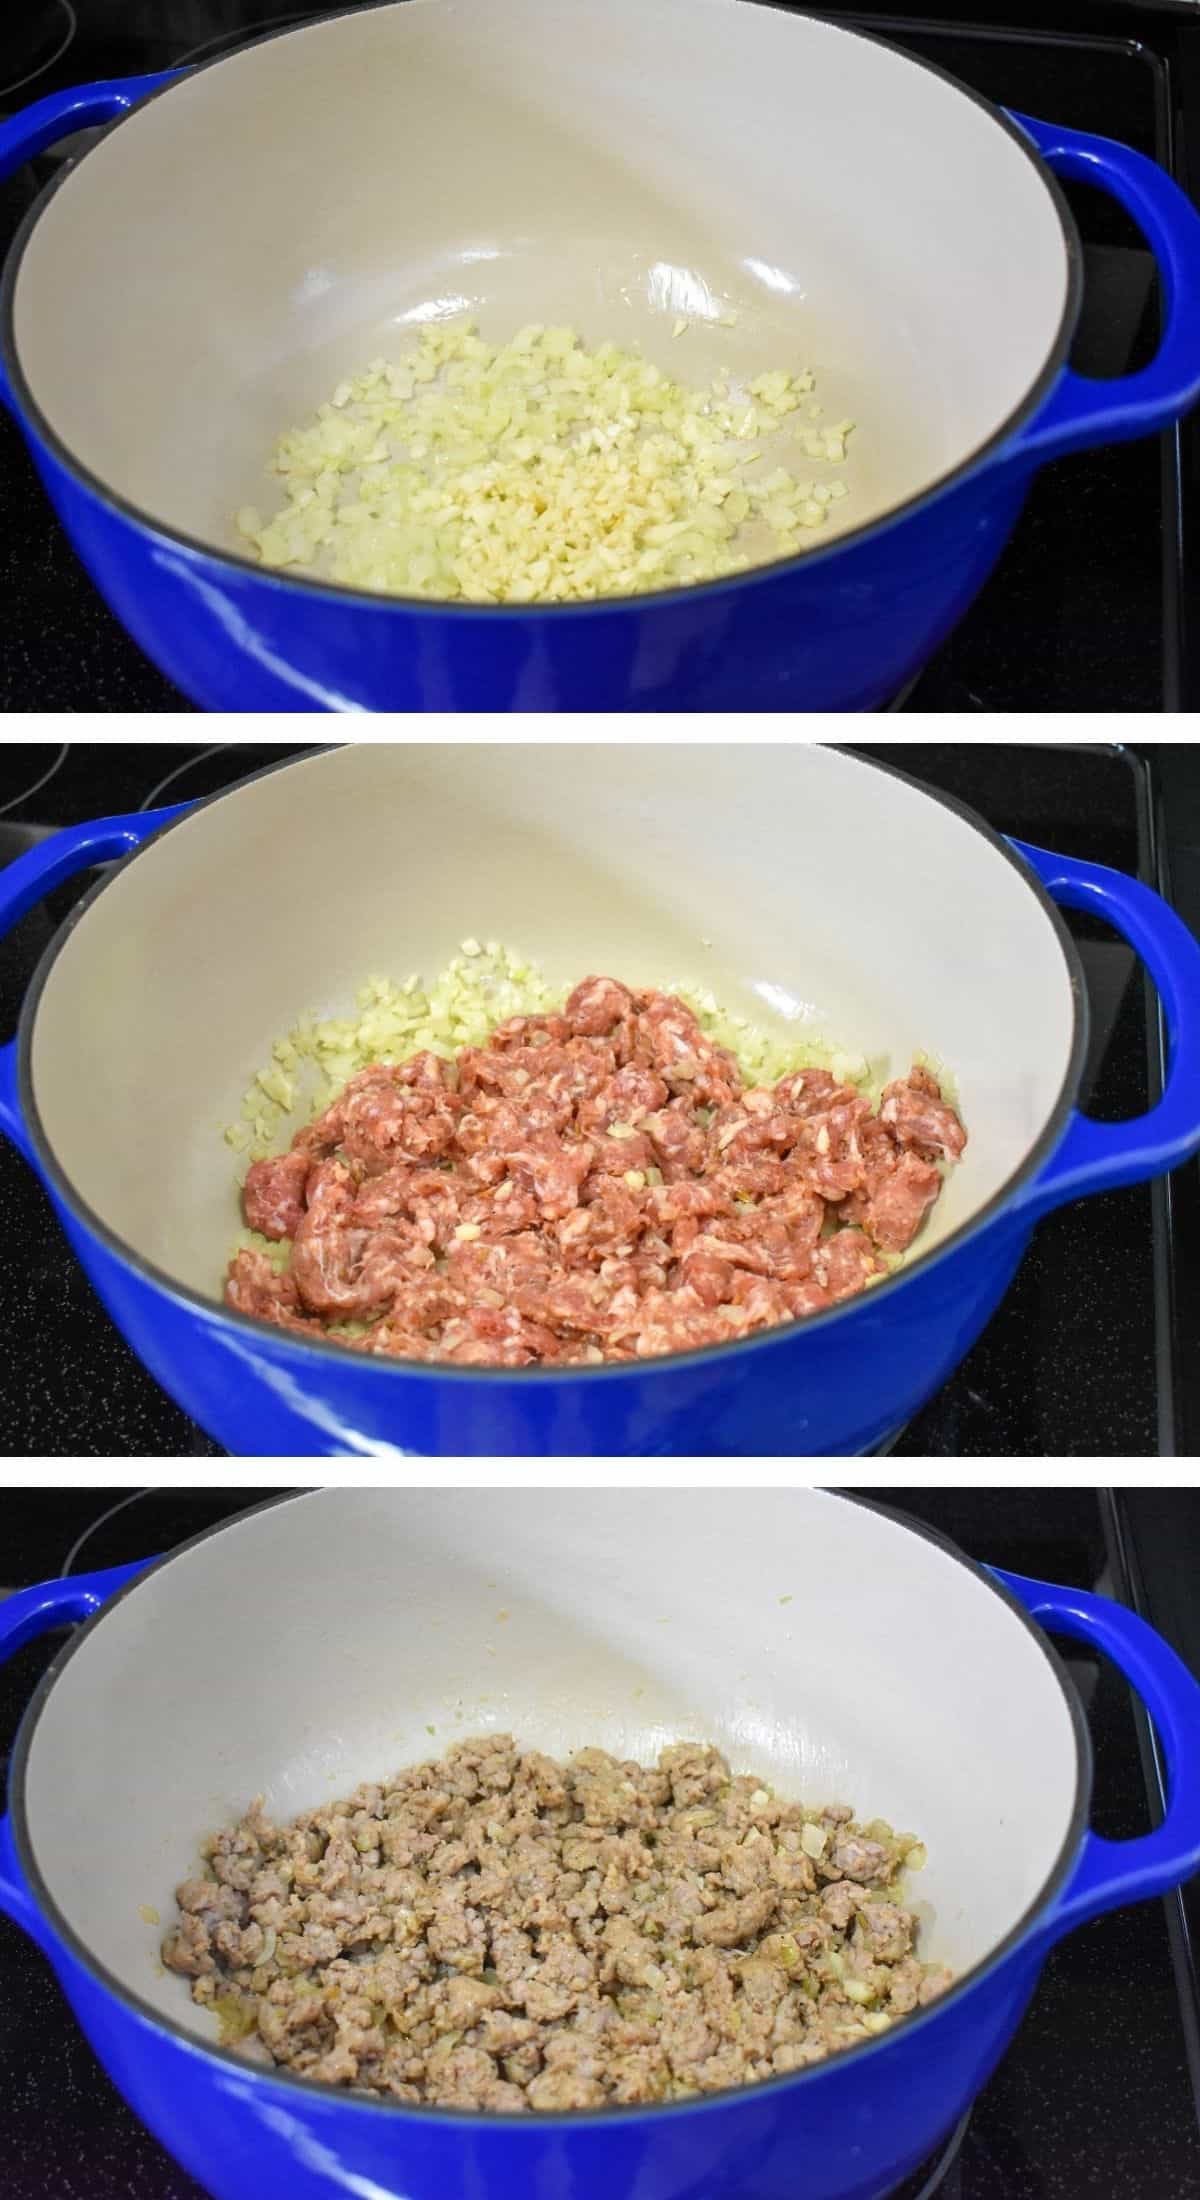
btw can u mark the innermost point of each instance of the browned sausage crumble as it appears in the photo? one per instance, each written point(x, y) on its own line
point(497, 1931)
point(596, 1185)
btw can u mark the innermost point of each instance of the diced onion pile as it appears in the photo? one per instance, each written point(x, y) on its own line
point(542, 471)
point(480, 988)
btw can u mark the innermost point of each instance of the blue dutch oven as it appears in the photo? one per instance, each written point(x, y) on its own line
point(252, 230)
point(318, 1642)
point(808, 889)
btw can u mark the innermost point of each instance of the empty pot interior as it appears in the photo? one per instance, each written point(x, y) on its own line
point(341, 1635)
point(285, 215)
point(806, 889)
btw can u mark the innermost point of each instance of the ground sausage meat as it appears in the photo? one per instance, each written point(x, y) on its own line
point(598, 1184)
point(498, 1931)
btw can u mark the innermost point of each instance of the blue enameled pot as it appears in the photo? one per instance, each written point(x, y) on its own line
point(808, 889)
point(314, 1643)
point(250, 231)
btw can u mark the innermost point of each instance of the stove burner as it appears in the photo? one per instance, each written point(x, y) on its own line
point(228, 41)
point(33, 45)
point(27, 789)
point(932, 2175)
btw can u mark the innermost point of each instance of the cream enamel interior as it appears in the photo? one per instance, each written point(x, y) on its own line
point(892, 1680)
point(836, 897)
point(235, 247)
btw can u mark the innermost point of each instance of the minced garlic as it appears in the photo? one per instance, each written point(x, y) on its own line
point(540, 471)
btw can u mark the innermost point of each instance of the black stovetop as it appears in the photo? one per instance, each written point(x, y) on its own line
point(1096, 2097)
point(1095, 1350)
point(1090, 608)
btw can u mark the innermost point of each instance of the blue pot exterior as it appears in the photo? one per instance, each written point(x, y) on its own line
point(843, 631)
point(851, 2130)
point(836, 1387)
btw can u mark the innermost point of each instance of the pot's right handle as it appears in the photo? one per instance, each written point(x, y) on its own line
point(1111, 1873)
point(34, 875)
point(1080, 410)
point(1094, 1157)
point(23, 1616)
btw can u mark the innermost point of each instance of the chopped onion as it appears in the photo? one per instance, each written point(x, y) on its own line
point(538, 471)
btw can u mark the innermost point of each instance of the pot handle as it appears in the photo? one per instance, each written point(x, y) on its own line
point(1095, 1157)
point(23, 1616)
point(1081, 411)
point(1111, 1873)
point(60, 114)
point(35, 874)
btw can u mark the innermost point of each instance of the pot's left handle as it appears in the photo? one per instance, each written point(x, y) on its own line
point(1096, 1157)
point(1110, 1874)
point(34, 875)
point(23, 1616)
point(60, 114)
